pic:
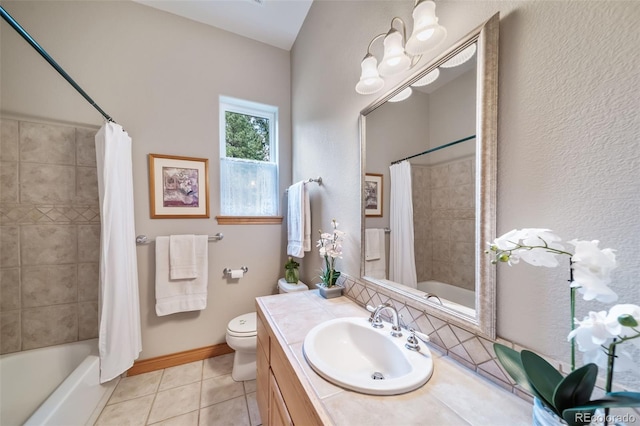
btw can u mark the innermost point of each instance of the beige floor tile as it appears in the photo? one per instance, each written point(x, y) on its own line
point(136, 386)
point(174, 402)
point(250, 386)
point(220, 389)
point(189, 419)
point(254, 412)
point(181, 375)
point(229, 413)
point(217, 366)
point(128, 413)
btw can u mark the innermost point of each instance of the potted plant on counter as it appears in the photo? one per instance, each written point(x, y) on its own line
point(330, 248)
point(570, 399)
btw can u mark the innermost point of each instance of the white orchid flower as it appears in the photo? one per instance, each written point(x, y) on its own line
point(618, 329)
point(538, 236)
point(592, 269)
point(592, 332)
point(509, 241)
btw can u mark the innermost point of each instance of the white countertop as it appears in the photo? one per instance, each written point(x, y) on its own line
point(453, 396)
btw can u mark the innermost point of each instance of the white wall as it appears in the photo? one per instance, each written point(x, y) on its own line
point(568, 136)
point(159, 76)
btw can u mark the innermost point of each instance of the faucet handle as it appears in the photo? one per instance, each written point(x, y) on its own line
point(375, 321)
point(412, 340)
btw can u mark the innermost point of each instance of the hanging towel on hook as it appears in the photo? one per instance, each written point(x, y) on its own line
point(298, 220)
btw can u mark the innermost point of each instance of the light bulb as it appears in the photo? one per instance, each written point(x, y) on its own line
point(395, 59)
point(370, 82)
point(427, 33)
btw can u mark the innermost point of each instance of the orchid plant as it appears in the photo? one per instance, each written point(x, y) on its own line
point(330, 247)
point(597, 335)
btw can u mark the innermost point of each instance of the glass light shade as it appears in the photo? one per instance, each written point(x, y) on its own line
point(370, 82)
point(428, 78)
point(427, 33)
point(461, 57)
point(402, 95)
point(395, 59)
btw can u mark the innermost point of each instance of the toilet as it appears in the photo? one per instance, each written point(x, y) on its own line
point(242, 336)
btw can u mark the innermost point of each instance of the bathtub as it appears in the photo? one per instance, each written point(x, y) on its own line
point(456, 298)
point(454, 294)
point(57, 385)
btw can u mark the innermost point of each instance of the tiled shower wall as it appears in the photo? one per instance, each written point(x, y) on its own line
point(49, 235)
point(444, 222)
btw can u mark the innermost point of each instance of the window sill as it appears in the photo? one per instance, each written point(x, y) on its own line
point(249, 220)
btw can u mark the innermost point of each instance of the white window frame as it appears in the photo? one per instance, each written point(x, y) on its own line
point(255, 109)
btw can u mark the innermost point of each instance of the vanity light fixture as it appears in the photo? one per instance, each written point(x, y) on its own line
point(427, 34)
point(462, 57)
point(428, 78)
point(402, 95)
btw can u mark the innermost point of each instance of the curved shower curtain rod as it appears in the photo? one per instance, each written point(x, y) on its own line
point(16, 26)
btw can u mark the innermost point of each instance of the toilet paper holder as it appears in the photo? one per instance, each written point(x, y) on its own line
point(227, 271)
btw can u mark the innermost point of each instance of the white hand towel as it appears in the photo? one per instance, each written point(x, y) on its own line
point(182, 257)
point(372, 243)
point(298, 220)
point(181, 295)
point(378, 268)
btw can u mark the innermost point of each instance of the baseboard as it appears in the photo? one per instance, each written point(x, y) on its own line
point(179, 358)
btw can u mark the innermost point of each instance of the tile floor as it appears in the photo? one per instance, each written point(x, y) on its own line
point(198, 393)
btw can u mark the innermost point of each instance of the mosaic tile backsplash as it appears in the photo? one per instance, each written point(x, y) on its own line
point(49, 235)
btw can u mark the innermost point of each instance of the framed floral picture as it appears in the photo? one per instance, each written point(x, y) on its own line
point(373, 194)
point(178, 186)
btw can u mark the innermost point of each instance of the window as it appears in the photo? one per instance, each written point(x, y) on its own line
point(248, 159)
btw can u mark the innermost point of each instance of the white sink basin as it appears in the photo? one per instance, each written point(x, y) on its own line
point(350, 352)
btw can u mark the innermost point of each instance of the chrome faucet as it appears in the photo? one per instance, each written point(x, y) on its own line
point(376, 322)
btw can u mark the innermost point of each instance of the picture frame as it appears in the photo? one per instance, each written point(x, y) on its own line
point(373, 194)
point(178, 187)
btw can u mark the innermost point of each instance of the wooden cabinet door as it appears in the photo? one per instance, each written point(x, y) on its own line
point(262, 383)
point(278, 413)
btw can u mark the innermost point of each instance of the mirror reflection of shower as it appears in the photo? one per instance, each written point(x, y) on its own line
point(436, 127)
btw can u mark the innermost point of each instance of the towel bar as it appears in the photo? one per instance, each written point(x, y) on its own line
point(143, 239)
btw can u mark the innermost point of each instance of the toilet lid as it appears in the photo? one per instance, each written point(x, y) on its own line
point(243, 325)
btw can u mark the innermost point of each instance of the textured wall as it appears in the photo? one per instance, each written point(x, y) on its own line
point(567, 137)
point(160, 77)
point(49, 235)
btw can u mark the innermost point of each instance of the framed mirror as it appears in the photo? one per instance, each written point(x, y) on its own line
point(436, 153)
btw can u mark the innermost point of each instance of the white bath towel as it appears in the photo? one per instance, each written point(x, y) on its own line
point(182, 257)
point(298, 220)
point(376, 268)
point(372, 243)
point(181, 295)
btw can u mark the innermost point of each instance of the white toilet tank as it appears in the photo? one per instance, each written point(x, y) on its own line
point(285, 287)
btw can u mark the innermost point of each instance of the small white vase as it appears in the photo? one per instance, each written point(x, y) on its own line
point(542, 416)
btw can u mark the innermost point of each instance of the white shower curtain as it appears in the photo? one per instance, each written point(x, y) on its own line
point(402, 263)
point(119, 337)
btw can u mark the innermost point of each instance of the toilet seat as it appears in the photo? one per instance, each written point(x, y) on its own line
point(243, 326)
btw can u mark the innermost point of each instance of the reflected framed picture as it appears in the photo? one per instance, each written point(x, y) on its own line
point(178, 187)
point(373, 194)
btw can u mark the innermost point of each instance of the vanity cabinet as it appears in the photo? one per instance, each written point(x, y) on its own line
point(282, 400)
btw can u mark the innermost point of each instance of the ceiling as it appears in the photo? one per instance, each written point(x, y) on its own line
point(275, 22)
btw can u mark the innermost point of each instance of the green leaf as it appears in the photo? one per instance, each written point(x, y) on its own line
point(542, 376)
point(575, 389)
point(611, 400)
point(627, 320)
point(511, 362)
